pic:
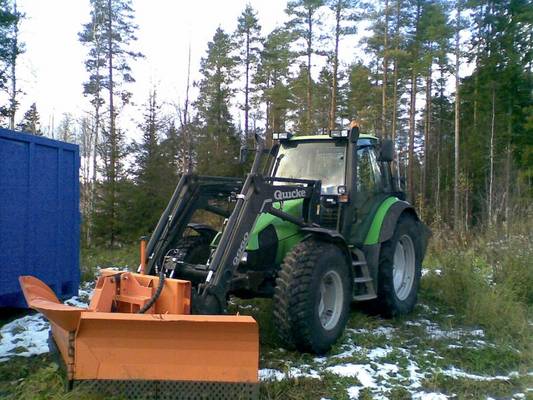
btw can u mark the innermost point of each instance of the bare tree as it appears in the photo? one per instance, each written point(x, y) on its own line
point(456, 215)
point(385, 72)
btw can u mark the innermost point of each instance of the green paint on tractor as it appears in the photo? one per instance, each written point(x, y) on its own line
point(372, 237)
point(288, 233)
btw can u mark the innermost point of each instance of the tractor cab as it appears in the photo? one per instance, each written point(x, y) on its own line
point(353, 171)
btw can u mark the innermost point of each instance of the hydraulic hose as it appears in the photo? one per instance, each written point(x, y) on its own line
point(157, 293)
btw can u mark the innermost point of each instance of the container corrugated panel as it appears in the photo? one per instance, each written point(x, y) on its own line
point(39, 215)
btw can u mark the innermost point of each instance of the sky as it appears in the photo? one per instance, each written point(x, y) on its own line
point(51, 71)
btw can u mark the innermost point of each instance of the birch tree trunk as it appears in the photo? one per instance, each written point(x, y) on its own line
point(309, 79)
point(112, 127)
point(334, 84)
point(491, 158)
point(427, 132)
point(412, 130)
point(385, 73)
point(457, 118)
point(13, 66)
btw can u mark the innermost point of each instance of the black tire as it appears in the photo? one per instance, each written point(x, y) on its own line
point(388, 302)
point(194, 249)
point(297, 296)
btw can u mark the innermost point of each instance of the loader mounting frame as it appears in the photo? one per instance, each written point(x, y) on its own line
point(252, 197)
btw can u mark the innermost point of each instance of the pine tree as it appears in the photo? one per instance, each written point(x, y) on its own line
point(378, 44)
point(304, 24)
point(10, 49)
point(362, 97)
point(248, 36)
point(273, 77)
point(93, 37)
point(110, 34)
point(299, 89)
point(345, 17)
point(31, 122)
point(219, 142)
point(66, 129)
point(435, 37)
point(151, 169)
point(323, 93)
point(414, 48)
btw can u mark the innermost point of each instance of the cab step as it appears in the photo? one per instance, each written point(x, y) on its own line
point(364, 297)
point(363, 283)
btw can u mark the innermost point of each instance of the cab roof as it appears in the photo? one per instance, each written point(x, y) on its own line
point(327, 137)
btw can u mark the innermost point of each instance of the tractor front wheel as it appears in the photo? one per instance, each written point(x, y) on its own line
point(312, 296)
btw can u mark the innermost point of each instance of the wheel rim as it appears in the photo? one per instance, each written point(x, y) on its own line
point(331, 300)
point(404, 267)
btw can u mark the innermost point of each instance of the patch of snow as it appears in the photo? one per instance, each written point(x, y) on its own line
point(351, 350)
point(385, 371)
point(26, 336)
point(387, 331)
point(457, 373)
point(436, 333)
point(455, 346)
point(269, 374)
point(295, 372)
point(414, 376)
point(379, 352)
point(429, 396)
point(353, 391)
point(362, 372)
point(427, 271)
point(84, 296)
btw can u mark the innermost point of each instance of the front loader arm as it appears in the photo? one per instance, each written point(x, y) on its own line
point(192, 193)
point(257, 196)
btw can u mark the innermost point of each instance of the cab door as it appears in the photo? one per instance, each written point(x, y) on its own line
point(370, 190)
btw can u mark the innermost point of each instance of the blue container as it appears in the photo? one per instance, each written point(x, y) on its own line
point(39, 215)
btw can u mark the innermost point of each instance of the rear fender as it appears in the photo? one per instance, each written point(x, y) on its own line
point(391, 220)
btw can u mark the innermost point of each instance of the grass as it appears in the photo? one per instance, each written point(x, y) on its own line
point(486, 280)
point(95, 258)
point(476, 281)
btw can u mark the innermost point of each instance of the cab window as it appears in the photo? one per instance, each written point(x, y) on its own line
point(368, 171)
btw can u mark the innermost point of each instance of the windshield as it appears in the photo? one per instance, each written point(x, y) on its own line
point(316, 160)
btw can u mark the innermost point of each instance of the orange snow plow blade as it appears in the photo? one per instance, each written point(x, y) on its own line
point(164, 350)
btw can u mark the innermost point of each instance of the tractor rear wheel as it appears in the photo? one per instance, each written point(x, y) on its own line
point(312, 296)
point(400, 269)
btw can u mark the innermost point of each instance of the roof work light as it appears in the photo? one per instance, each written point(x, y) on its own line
point(281, 135)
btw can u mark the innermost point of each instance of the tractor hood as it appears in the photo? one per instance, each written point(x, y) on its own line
point(284, 229)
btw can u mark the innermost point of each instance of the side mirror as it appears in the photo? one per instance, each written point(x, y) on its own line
point(243, 154)
point(386, 151)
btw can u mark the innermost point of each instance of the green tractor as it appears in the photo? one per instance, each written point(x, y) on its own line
point(317, 224)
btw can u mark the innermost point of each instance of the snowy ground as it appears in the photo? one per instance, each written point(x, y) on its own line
point(379, 369)
point(375, 359)
point(400, 360)
point(28, 336)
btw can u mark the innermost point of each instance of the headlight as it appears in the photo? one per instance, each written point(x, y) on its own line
point(281, 135)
